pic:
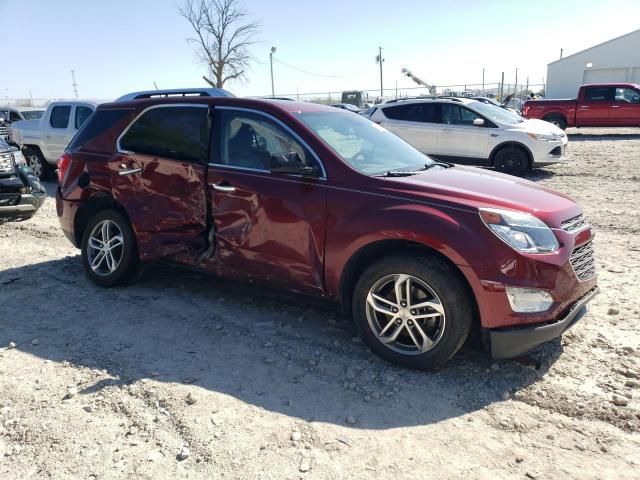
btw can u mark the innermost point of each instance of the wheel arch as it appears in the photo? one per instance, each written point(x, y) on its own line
point(510, 144)
point(555, 113)
point(94, 203)
point(374, 251)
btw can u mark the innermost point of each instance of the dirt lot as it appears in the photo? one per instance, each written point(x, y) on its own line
point(185, 376)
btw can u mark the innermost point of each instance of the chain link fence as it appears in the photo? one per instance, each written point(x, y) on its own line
point(492, 90)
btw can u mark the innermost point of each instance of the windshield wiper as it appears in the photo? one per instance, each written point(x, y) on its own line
point(414, 171)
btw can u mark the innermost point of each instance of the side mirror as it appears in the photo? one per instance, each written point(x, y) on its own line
point(478, 122)
point(291, 163)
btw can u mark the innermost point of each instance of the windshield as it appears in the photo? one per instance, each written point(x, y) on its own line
point(496, 114)
point(32, 114)
point(364, 145)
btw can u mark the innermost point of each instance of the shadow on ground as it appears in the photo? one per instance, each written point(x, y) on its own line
point(282, 353)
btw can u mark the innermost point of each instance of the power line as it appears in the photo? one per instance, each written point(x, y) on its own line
point(310, 73)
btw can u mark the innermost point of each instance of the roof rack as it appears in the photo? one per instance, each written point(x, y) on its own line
point(178, 92)
point(402, 99)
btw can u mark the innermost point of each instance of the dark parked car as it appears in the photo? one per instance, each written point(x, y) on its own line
point(21, 193)
point(312, 199)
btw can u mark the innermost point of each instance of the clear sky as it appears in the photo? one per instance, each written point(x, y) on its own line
point(117, 46)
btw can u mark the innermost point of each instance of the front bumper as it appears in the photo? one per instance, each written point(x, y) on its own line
point(26, 207)
point(548, 153)
point(514, 342)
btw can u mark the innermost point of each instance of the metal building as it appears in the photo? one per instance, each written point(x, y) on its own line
point(616, 60)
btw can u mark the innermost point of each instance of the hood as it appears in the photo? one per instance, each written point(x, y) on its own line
point(538, 126)
point(471, 188)
point(26, 125)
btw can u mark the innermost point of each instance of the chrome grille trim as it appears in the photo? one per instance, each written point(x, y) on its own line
point(583, 262)
point(7, 163)
point(574, 224)
point(4, 132)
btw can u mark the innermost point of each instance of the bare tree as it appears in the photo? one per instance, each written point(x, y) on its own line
point(223, 37)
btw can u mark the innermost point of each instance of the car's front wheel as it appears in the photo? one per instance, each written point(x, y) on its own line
point(109, 249)
point(412, 310)
point(512, 160)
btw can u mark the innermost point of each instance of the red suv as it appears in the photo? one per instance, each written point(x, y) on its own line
point(321, 201)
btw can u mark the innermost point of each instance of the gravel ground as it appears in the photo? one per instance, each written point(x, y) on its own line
point(184, 376)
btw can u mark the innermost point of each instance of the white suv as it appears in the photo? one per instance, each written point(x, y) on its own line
point(462, 130)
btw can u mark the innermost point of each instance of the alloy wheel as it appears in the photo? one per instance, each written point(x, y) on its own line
point(34, 164)
point(405, 314)
point(105, 247)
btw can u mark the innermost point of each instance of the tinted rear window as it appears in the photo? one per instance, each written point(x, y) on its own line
point(60, 116)
point(600, 93)
point(416, 112)
point(101, 121)
point(171, 132)
point(82, 114)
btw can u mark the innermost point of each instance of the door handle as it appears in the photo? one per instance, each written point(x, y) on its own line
point(223, 188)
point(615, 106)
point(130, 171)
point(584, 107)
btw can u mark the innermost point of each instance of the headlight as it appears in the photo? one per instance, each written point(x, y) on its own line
point(520, 230)
point(543, 136)
point(19, 158)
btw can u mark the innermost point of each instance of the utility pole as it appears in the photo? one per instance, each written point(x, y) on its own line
point(502, 86)
point(515, 87)
point(379, 59)
point(75, 85)
point(561, 50)
point(483, 80)
point(273, 91)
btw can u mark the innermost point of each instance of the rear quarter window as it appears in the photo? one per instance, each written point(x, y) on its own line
point(100, 123)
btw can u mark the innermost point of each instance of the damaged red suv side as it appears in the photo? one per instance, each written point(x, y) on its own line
point(317, 200)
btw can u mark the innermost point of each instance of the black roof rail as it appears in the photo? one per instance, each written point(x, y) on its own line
point(177, 92)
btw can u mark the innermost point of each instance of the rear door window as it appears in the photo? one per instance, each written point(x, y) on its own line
point(177, 132)
point(415, 112)
point(60, 116)
point(599, 94)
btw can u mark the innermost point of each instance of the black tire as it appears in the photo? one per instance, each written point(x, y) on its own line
point(127, 265)
point(37, 163)
point(449, 289)
point(512, 160)
point(558, 120)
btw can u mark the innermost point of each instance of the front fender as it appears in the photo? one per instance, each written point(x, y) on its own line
point(450, 231)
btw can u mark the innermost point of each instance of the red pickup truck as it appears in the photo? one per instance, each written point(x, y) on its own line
point(597, 105)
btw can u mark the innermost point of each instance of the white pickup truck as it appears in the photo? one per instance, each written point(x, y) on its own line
point(45, 139)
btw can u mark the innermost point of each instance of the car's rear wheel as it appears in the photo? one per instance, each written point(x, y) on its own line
point(109, 249)
point(512, 160)
point(558, 120)
point(37, 163)
point(412, 310)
